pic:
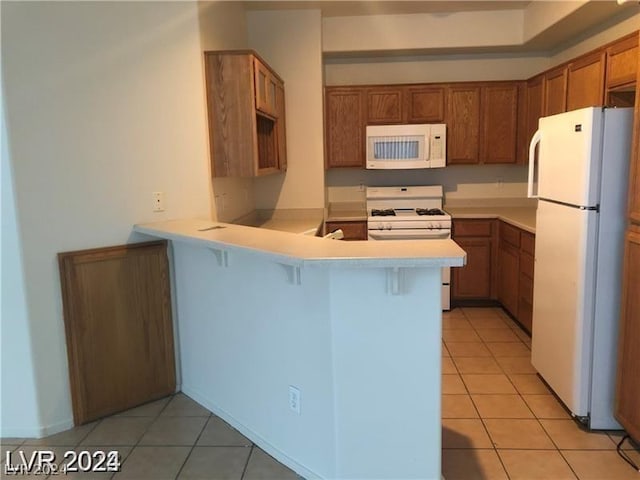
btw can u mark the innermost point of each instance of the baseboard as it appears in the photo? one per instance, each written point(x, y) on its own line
point(36, 431)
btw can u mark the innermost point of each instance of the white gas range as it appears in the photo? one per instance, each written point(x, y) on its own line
point(409, 213)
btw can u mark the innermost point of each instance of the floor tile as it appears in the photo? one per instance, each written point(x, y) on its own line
point(158, 463)
point(118, 431)
point(452, 384)
point(600, 465)
point(215, 462)
point(487, 383)
point(545, 406)
point(108, 464)
point(477, 365)
point(219, 433)
point(448, 366)
point(518, 434)
point(445, 351)
point(464, 433)
point(458, 406)
point(522, 335)
point(509, 349)
point(481, 312)
point(535, 465)
point(528, 383)
point(464, 335)
point(472, 465)
point(567, 435)
point(467, 349)
point(174, 431)
point(501, 406)
point(453, 313)
point(516, 364)
point(70, 438)
point(456, 323)
point(182, 406)
point(151, 409)
point(487, 322)
point(12, 441)
point(629, 444)
point(497, 335)
point(262, 467)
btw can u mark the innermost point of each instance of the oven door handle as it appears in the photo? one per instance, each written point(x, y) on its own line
point(409, 234)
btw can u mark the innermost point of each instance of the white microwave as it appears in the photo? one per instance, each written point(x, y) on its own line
point(406, 146)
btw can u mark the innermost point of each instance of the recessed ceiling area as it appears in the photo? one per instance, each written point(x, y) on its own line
point(381, 28)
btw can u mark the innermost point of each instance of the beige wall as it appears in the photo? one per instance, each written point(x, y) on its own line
point(104, 105)
point(290, 41)
point(595, 38)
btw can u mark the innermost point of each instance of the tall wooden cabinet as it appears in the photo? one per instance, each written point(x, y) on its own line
point(585, 81)
point(463, 124)
point(627, 408)
point(499, 123)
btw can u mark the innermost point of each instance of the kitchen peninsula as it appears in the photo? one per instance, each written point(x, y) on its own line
point(324, 353)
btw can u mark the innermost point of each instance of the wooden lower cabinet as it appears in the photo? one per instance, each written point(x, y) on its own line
point(117, 316)
point(356, 230)
point(627, 408)
point(474, 281)
point(508, 276)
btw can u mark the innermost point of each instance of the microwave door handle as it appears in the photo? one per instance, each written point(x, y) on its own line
point(535, 141)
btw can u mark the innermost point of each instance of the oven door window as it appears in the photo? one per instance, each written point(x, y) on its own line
point(409, 234)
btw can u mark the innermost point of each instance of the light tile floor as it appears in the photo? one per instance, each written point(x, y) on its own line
point(499, 421)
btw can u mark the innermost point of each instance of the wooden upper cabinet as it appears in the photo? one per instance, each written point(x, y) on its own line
point(281, 128)
point(535, 104)
point(499, 123)
point(345, 127)
point(585, 82)
point(634, 186)
point(384, 105)
point(425, 104)
point(622, 62)
point(555, 91)
point(463, 124)
point(245, 103)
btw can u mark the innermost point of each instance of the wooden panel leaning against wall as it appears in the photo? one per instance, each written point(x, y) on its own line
point(117, 316)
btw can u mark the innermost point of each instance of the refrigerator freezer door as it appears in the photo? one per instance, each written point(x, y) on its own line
point(563, 301)
point(569, 157)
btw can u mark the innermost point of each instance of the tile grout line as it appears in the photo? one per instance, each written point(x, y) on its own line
point(186, 459)
point(246, 464)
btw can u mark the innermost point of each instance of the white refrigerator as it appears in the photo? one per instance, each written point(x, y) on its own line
point(581, 175)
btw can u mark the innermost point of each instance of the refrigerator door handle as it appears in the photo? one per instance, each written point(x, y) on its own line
point(535, 140)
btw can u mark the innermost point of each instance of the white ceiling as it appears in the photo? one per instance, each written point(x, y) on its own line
point(588, 15)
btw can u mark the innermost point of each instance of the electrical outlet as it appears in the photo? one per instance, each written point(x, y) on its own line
point(158, 201)
point(294, 399)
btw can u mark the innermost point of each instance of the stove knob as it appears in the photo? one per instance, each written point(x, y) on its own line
point(380, 226)
point(388, 226)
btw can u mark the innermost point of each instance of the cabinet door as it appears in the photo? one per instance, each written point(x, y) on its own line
point(585, 82)
point(627, 407)
point(117, 318)
point(622, 62)
point(463, 124)
point(634, 186)
point(525, 301)
point(384, 105)
point(555, 91)
point(425, 104)
point(281, 127)
point(499, 123)
point(508, 277)
point(265, 88)
point(352, 230)
point(535, 104)
point(473, 281)
point(344, 130)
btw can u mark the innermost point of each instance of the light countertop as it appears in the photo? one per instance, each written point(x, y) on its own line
point(308, 221)
point(304, 250)
point(521, 217)
point(346, 212)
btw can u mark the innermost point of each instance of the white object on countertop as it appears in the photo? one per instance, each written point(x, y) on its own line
point(335, 235)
